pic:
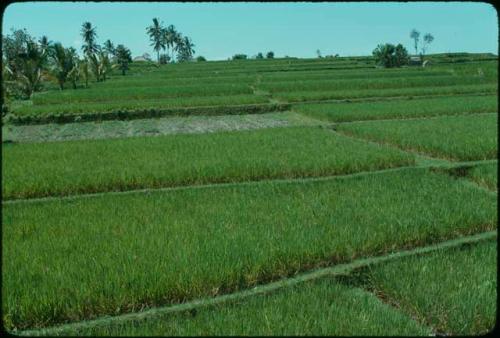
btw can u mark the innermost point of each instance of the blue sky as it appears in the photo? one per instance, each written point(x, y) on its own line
point(220, 30)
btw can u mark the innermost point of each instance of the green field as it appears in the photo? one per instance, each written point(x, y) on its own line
point(158, 251)
point(486, 175)
point(184, 182)
point(326, 307)
point(318, 308)
point(66, 168)
point(399, 109)
point(464, 138)
point(453, 291)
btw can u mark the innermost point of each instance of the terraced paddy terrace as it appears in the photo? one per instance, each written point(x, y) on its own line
point(255, 197)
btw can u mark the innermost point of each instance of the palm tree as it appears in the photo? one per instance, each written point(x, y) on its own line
point(83, 69)
point(104, 65)
point(32, 61)
point(45, 44)
point(74, 73)
point(155, 33)
point(171, 33)
point(89, 36)
point(62, 64)
point(186, 49)
point(178, 42)
point(109, 48)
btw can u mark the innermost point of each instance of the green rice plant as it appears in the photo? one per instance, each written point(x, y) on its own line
point(373, 84)
point(321, 307)
point(399, 109)
point(168, 81)
point(134, 93)
point(299, 96)
point(485, 175)
point(462, 138)
point(73, 167)
point(453, 291)
point(74, 259)
point(350, 74)
point(139, 105)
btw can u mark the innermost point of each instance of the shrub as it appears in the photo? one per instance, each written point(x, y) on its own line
point(239, 57)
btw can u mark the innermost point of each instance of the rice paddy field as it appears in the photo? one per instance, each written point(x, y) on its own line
point(255, 197)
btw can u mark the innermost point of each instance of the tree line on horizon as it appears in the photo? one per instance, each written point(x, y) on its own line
point(169, 39)
point(389, 55)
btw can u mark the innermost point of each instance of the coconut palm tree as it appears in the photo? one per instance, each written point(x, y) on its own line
point(45, 44)
point(89, 36)
point(83, 69)
point(62, 64)
point(31, 62)
point(155, 33)
point(186, 49)
point(170, 34)
point(74, 73)
point(109, 48)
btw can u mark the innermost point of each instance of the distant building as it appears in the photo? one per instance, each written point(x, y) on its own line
point(415, 61)
point(143, 57)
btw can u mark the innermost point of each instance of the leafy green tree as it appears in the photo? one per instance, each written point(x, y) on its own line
point(123, 58)
point(259, 56)
point(389, 56)
point(270, 55)
point(156, 36)
point(401, 56)
point(201, 59)
point(89, 36)
point(239, 57)
point(164, 59)
point(415, 35)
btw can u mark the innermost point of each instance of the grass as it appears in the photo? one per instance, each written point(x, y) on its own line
point(452, 291)
point(321, 307)
point(342, 94)
point(133, 93)
point(65, 168)
point(67, 260)
point(355, 111)
point(462, 138)
point(323, 75)
point(374, 84)
point(486, 175)
point(88, 108)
